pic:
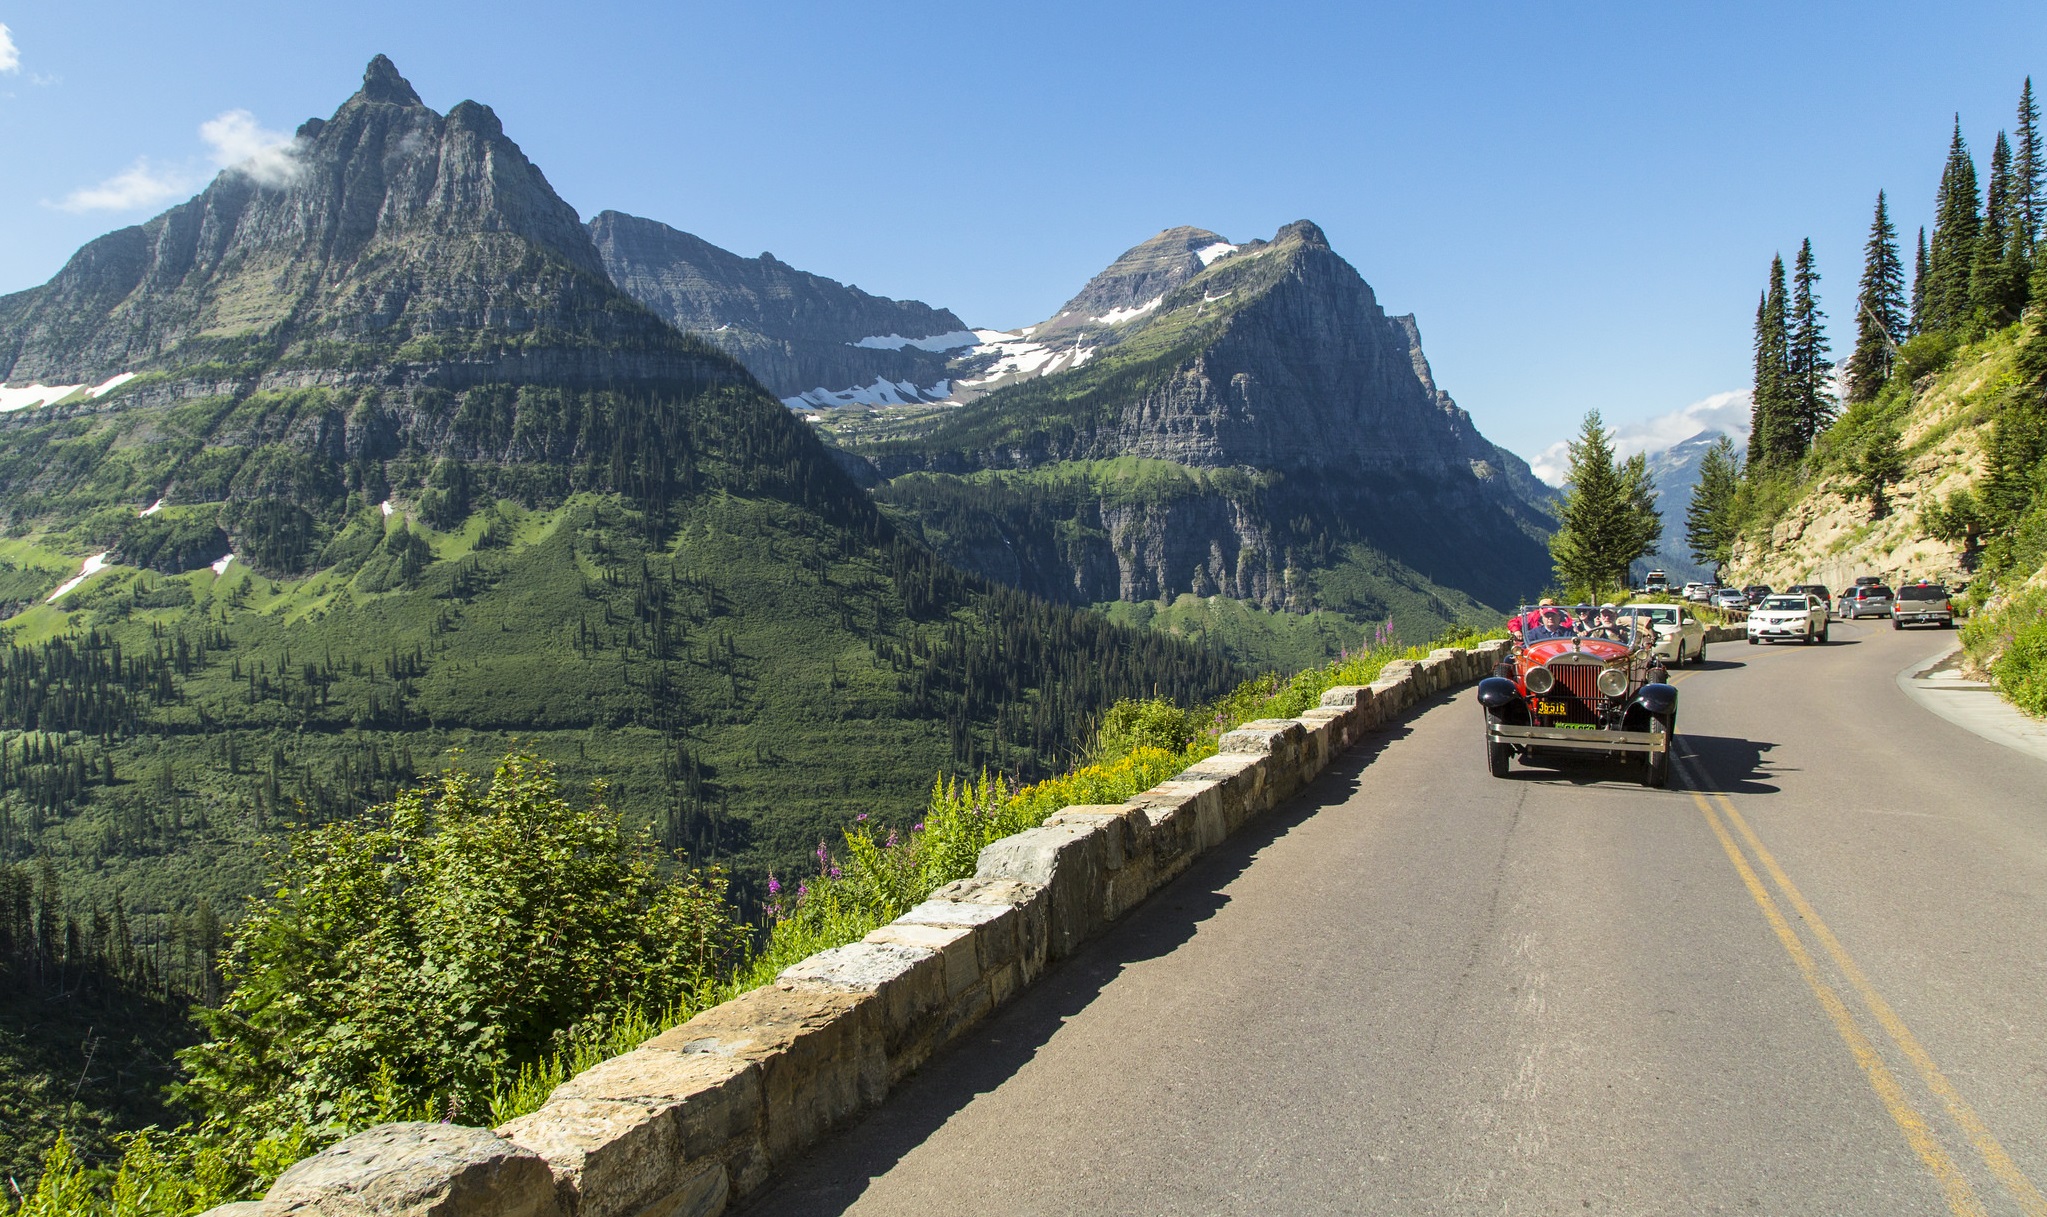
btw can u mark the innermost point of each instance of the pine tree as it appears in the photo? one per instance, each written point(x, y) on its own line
point(1771, 437)
point(2029, 173)
point(1879, 308)
point(1811, 397)
point(1608, 517)
point(1709, 518)
point(1994, 295)
point(1920, 273)
point(1956, 226)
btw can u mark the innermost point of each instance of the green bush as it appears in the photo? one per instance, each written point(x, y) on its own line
point(1925, 354)
point(2013, 641)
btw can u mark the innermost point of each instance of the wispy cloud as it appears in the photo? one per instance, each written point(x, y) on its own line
point(268, 158)
point(139, 185)
point(1728, 412)
point(10, 55)
point(235, 141)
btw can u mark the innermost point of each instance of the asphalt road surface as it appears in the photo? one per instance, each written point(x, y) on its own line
point(1813, 980)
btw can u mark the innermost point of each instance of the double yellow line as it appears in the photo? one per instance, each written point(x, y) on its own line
point(1720, 812)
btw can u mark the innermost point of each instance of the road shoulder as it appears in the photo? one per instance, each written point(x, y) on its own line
point(1971, 705)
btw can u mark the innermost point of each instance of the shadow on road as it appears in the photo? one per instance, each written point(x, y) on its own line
point(834, 1174)
point(1731, 766)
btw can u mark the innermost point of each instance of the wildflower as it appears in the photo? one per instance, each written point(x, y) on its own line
point(861, 818)
point(833, 870)
point(917, 827)
point(774, 885)
point(891, 842)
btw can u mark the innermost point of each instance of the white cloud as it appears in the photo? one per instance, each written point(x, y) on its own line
point(236, 142)
point(1728, 412)
point(10, 58)
point(268, 158)
point(139, 185)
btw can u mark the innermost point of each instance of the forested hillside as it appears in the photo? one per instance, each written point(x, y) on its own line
point(1934, 465)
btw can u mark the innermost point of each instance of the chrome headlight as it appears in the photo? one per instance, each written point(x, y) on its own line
point(1613, 682)
point(1540, 680)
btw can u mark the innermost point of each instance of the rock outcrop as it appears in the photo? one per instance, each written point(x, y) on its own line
point(795, 331)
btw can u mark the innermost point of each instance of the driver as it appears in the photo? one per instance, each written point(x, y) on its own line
point(1549, 620)
point(1608, 625)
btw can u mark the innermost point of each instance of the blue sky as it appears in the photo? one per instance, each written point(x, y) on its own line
point(1579, 202)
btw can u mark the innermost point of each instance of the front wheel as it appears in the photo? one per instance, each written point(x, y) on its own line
point(1700, 658)
point(1752, 640)
point(1496, 753)
point(1823, 633)
point(1656, 769)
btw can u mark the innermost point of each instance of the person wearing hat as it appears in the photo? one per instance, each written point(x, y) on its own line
point(1546, 620)
point(1608, 625)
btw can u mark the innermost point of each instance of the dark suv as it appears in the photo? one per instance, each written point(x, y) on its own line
point(1754, 593)
point(1865, 600)
point(1815, 590)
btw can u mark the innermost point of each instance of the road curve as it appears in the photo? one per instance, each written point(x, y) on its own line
point(1809, 982)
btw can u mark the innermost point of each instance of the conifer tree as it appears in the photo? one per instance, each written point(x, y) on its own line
point(1811, 396)
point(1709, 518)
point(1921, 271)
point(1771, 438)
point(1952, 253)
point(2028, 173)
point(1994, 295)
point(1879, 308)
point(1609, 517)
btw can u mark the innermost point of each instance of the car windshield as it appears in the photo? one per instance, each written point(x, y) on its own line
point(1925, 591)
point(1787, 604)
point(1581, 622)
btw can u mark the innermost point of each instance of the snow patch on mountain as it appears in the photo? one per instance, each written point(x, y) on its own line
point(1117, 316)
point(50, 395)
point(937, 342)
point(93, 566)
point(882, 392)
point(1209, 253)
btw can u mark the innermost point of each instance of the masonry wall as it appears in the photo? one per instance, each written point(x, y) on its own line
point(702, 1114)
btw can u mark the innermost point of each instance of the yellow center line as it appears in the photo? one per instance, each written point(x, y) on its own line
point(1961, 1198)
point(1994, 1156)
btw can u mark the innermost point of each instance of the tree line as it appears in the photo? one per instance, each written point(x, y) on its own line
point(1976, 272)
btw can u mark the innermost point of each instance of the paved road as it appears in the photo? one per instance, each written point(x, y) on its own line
point(1417, 989)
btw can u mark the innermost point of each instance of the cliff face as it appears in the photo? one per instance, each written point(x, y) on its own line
point(797, 332)
point(428, 242)
point(1273, 358)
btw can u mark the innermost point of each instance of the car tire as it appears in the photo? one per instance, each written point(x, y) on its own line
point(1823, 633)
point(1752, 640)
point(1897, 624)
point(1699, 659)
point(1496, 758)
point(1656, 765)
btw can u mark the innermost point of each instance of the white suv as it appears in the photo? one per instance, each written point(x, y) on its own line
point(1801, 617)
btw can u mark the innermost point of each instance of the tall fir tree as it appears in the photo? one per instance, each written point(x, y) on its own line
point(1709, 518)
point(1995, 296)
point(1920, 273)
point(1952, 254)
point(1771, 440)
point(2028, 172)
point(1811, 395)
point(1879, 308)
point(1608, 518)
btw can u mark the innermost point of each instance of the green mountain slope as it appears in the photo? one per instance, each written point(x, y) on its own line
point(385, 474)
point(1243, 421)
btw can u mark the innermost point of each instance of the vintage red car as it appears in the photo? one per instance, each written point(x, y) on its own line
point(1581, 686)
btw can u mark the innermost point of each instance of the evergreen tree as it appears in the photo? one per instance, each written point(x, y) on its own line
point(1771, 440)
point(1995, 294)
point(1811, 397)
point(1878, 466)
point(1879, 308)
point(2028, 173)
point(1709, 518)
point(1956, 226)
point(1920, 273)
point(1608, 518)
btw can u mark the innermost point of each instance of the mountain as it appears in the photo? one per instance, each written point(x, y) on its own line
point(378, 463)
point(1676, 473)
point(1208, 418)
point(809, 339)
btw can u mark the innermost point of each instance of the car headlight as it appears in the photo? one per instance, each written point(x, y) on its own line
point(1613, 682)
point(1540, 680)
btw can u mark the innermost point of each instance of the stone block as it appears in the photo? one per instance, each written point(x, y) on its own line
point(958, 955)
point(418, 1169)
point(997, 926)
point(818, 1057)
point(1240, 782)
point(1125, 830)
point(624, 1157)
point(239, 1208)
point(1067, 861)
point(1263, 737)
point(704, 1103)
point(1033, 918)
point(1185, 818)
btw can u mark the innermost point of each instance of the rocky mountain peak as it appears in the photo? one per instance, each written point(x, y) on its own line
point(1307, 232)
point(382, 83)
point(1144, 274)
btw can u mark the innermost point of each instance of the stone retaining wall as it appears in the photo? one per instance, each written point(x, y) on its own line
point(701, 1114)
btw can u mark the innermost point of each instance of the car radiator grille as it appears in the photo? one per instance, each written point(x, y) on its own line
point(1581, 681)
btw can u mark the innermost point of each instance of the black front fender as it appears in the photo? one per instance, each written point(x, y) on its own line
point(1659, 700)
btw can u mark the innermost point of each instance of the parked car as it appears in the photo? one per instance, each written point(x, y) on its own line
point(1787, 617)
point(1865, 600)
point(1680, 637)
point(1922, 603)
point(1583, 693)
point(1730, 598)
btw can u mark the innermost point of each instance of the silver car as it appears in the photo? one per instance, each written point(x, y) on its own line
point(1923, 604)
point(1867, 600)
